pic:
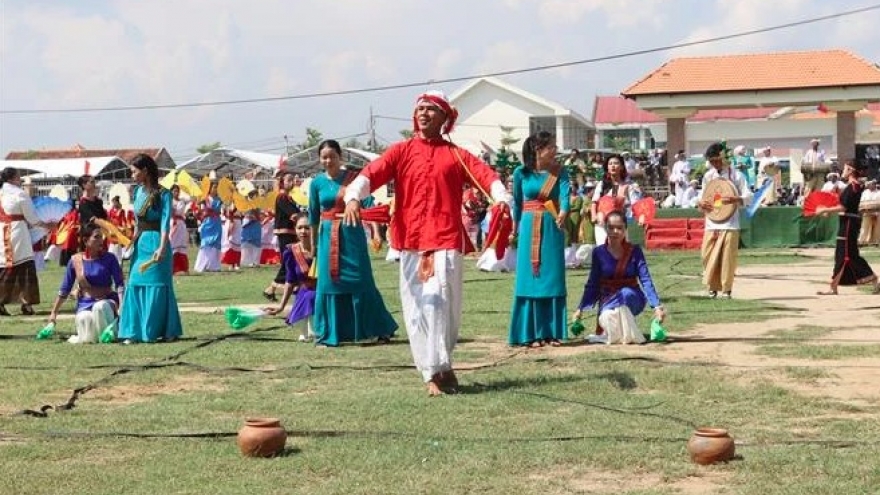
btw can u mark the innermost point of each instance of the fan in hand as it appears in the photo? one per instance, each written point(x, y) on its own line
point(819, 198)
point(644, 210)
point(50, 211)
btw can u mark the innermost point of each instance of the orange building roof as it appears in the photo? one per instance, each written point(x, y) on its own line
point(78, 151)
point(760, 71)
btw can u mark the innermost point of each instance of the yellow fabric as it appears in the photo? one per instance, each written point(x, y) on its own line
point(719, 254)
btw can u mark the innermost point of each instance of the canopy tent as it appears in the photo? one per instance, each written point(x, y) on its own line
point(104, 167)
point(227, 161)
point(306, 162)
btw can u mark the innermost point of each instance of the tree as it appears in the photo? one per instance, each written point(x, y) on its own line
point(207, 148)
point(506, 137)
point(313, 138)
point(406, 133)
point(505, 159)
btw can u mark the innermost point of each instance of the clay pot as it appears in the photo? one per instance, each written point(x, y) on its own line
point(710, 445)
point(261, 437)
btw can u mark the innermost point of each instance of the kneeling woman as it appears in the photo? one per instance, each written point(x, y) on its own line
point(618, 269)
point(96, 272)
point(297, 259)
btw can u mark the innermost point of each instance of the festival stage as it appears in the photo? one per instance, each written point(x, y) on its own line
point(776, 226)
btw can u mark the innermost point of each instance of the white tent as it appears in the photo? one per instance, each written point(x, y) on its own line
point(74, 167)
point(306, 162)
point(231, 161)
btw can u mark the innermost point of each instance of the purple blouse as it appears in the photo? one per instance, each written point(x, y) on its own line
point(603, 267)
point(294, 275)
point(103, 271)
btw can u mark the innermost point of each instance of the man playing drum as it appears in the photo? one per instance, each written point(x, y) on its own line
point(725, 189)
point(869, 207)
point(814, 167)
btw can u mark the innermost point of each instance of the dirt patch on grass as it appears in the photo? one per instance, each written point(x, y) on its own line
point(10, 439)
point(130, 394)
point(704, 481)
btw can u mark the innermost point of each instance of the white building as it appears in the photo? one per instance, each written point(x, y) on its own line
point(486, 104)
point(619, 119)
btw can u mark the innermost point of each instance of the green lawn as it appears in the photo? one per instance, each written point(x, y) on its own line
point(594, 421)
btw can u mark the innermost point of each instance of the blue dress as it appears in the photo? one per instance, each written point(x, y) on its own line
point(348, 308)
point(539, 307)
point(149, 307)
point(612, 286)
point(211, 228)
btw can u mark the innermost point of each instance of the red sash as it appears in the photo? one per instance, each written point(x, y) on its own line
point(336, 224)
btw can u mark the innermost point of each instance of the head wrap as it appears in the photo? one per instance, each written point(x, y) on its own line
point(439, 99)
point(814, 141)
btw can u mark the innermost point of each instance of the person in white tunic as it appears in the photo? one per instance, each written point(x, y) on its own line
point(869, 204)
point(18, 272)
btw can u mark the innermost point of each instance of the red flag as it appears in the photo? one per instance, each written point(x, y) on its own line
point(86, 168)
point(822, 108)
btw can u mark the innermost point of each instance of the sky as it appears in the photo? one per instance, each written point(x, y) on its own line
point(102, 53)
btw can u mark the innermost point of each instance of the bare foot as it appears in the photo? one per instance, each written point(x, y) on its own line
point(832, 292)
point(555, 343)
point(536, 344)
point(434, 389)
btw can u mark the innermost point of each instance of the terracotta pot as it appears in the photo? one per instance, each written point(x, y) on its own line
point(261, 437)
point(710, 445)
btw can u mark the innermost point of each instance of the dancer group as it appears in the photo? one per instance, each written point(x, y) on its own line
point(323, 249)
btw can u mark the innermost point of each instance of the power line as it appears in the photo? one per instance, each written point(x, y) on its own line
point(373, 89)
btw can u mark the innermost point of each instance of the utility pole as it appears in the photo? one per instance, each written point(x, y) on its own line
point(372, 144)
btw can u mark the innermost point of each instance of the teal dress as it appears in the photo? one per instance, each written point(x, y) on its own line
point(350, 307)
point(539, 310)
point(149, 307)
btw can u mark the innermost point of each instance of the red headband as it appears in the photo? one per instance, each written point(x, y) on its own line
point(437, 98)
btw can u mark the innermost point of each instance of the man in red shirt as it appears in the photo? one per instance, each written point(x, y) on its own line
point(429, 173)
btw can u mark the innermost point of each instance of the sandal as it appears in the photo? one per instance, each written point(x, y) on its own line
point(555, 343)
point(27, 310)
point(270, 296)
point(826, 293)
point(536, 344)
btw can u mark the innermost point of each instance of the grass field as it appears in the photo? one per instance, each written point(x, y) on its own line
point(578, 419)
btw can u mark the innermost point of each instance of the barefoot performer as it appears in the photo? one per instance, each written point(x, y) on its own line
point(429, 173)
point(849, 266)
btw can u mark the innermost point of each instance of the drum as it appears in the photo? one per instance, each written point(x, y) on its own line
point(870, 206)
point(815, 168)
point(714, 192)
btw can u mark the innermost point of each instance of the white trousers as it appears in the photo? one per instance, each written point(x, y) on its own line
point(431, 309)
point(305, 329)
point(620, 326)
point(208, 260)
point(250, 255)
point(600, 233)
point(90, 323)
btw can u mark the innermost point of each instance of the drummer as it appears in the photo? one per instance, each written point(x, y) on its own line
point(869, 207)
point(721, 238)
